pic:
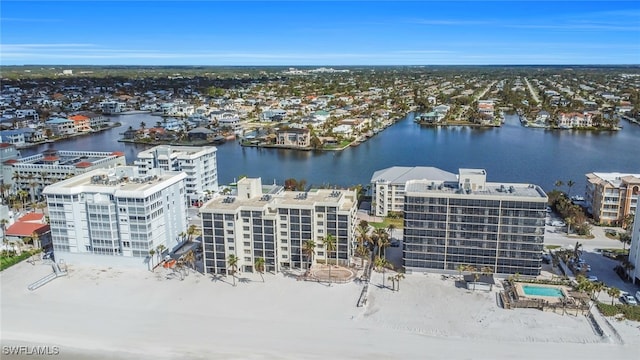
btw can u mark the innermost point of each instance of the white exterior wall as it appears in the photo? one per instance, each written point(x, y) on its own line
point(83, 214)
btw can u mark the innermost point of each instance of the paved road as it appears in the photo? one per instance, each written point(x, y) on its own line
point(532, 92)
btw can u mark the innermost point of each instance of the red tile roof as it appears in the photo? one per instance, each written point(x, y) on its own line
point(51, 158)
point(32, 216)
point(26, 229)
point(117, 153)
point(83, 164)
point(79, 118)
point(4, 145)
point(11, 161)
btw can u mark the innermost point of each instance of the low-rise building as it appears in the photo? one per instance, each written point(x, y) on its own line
point(610, 197)
point(269, 223)
point(60, 126)
point(34, 172)
point(117, 212)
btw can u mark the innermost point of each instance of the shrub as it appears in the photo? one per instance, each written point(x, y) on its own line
point(630, 312)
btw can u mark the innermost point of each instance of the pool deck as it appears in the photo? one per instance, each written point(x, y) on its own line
point(549, 299)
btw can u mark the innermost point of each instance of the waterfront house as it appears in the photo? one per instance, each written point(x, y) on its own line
point(230, 122)
point(201, 134)
point(293, 137)
point(81, 123)
point(112, 107)
point(60, 126)
point(172, 124)
point(574, 119)
point(13, 137)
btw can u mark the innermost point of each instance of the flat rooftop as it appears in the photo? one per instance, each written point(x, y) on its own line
point(284, 199)
point(402, 174)
point(491, 189)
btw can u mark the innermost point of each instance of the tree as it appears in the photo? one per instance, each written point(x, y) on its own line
point(627, 222)
point(309, 249)
point(3, 224)
point(559, 183)
point(381, 264)
point(569, 221)
point(382, 240)
point(233, 265)
point(577, 251)
point(160, 249)
point(22, 195)
point(151, 253)
point(614, 293)
point(625, 238)
point(190, 258)
point(399, 276)
point(191, 232)
point(329, 243)
point(36, 240)
point(259, 265)
point(570, 184)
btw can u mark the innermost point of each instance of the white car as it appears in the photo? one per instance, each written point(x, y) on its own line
point(629, 300)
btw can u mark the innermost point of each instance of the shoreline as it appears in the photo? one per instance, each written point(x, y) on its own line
point(145, 311)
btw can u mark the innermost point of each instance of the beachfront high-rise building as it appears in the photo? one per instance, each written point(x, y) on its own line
point(611, 197)
point(117, 212)
point(199, 163)
point(634, 249)
point(388, 186)
point(267, 222)
point(464, 220)
point(33, 173)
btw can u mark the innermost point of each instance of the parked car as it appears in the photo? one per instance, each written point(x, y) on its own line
point(583, 267)
point(592, 278)
point(638, 296)
point(395, 243)
point(628, 299)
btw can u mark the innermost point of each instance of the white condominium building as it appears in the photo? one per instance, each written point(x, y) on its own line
point(388, 186)
point(199, 163)
point(33, 173)
point(117, 212)
point(611, 197)
point(634, 249)
point(269, 223)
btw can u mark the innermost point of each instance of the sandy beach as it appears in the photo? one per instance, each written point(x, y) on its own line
point(118, 313)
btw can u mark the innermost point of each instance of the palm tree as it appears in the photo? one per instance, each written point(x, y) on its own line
point(399, 276)
point(569, 221)
point(192, 231)
point(151, 253)
point(393, 282)
point(233, 265)
point(22, 195)
point(577, 252)
point(309, 249)
point(570, 184)
point(160, 249)
point(461, 268)
point(382, 240)
point(390, 229)
point(36, 240)
point(381, 264)
point(259, 264)
point(329, 242)
point(190, 258)
point(559, 183)
point(614, 293)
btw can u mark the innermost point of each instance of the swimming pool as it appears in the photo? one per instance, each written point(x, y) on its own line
point(542, 291)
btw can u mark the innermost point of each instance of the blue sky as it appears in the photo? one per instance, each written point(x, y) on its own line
point(319, 33)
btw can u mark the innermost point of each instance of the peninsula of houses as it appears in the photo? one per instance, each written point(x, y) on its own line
point(306, 109)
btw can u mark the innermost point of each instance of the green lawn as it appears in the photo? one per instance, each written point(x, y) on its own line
point(8, 261)
point(397, 222)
